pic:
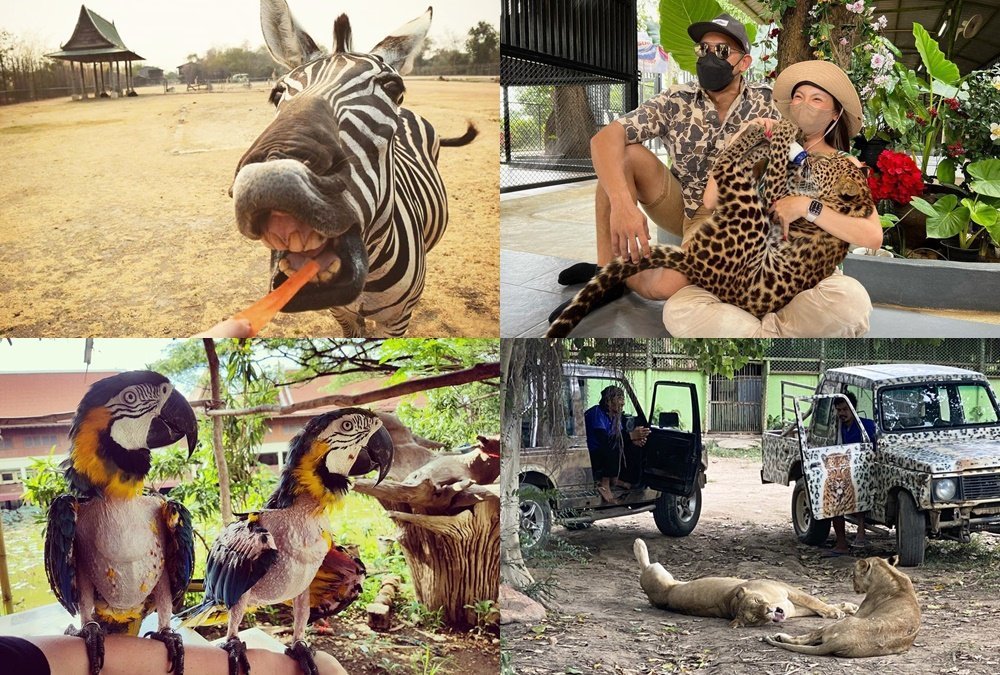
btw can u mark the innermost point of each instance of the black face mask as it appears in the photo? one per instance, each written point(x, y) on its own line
point(714, 74)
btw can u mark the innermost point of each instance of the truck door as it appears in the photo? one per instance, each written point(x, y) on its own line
point(672, 454)
point(832, 468)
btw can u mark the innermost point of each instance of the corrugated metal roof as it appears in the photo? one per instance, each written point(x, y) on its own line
point(36, 394)
point(974, 48)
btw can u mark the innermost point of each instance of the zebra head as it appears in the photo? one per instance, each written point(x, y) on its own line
point(318, 182)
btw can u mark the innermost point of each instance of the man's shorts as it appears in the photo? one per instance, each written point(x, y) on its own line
point(667, 210)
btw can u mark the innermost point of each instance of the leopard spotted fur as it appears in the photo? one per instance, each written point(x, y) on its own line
point(739, 254)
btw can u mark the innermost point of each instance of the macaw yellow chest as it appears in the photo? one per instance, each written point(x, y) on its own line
point(119, 547)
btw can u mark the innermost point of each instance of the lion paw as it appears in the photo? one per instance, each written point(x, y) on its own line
point(777, 637)
point(834, 612)
point(848, 608)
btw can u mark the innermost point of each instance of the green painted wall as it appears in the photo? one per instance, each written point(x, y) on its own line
point(772, 393)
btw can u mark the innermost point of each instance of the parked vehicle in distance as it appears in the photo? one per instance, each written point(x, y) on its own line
point(240, 78)
point(557, 486)
point(933, 469)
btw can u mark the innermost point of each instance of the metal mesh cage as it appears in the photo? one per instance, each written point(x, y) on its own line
point(549, 115)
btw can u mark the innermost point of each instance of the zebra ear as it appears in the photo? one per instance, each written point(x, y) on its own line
point(288, 43)
point(401, 47)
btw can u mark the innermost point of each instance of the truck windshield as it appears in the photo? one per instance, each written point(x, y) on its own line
point(937, 405)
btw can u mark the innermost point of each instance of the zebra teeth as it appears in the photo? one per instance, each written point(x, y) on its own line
point(285, 267)
point(329, 273)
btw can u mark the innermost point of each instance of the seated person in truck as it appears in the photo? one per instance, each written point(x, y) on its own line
point(611, 451)
point(848, 432)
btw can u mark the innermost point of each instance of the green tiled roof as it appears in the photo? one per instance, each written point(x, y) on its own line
point(94, 39)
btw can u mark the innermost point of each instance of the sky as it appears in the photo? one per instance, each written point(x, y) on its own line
point(28, 354)
point(164, 33)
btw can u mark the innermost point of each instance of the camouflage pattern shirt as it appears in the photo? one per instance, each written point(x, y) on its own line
point(688, 124)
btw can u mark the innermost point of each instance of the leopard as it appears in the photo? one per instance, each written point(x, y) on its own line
point(739, 254)
point(838, 488)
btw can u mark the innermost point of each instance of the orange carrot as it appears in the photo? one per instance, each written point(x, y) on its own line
point(262, 311)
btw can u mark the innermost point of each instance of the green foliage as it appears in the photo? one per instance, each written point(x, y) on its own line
point(949, 216)
point(483, 43)
point(486, 611)
point(45, 482)
point(418, 614)
point(675, 17)
point(722, 356)
point(426, 663)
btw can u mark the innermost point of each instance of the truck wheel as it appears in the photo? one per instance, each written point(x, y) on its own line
point(809, 530)
point(536, 517)
point(911, 532)
point(677, 516)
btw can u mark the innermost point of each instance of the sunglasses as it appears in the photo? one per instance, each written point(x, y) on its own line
point(722, 50)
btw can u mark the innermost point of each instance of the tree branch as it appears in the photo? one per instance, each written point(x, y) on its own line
point(478, 372)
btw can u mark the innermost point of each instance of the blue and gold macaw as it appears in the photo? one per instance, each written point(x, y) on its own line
point(286, 552)
point(112, 554)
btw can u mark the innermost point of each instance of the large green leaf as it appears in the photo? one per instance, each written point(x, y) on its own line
point(943, 218)
point(938, 67)
point(675, 17)
point(945, 171)
point(981, 213)
point(988, 173)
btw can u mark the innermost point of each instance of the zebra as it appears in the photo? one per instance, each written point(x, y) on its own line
point(345, 175)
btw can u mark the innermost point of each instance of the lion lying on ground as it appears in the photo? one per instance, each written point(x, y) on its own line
point(886, 623)
point(747, 603)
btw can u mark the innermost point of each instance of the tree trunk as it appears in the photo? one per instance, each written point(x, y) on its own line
point(570, 126)
point(793, 43)
point(450, 538)
point(513, 571)
point(226, 505)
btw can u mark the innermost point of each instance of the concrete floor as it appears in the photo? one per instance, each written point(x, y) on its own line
point(544, 230)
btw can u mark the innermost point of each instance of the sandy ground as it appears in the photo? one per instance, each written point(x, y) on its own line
point(605, 624)
point(116, 219)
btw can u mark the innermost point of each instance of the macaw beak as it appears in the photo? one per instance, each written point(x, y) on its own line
point(377, 453)
point(175, 421)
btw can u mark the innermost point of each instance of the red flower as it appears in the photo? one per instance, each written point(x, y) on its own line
point(765, 58)
point(952, 103)
point(773, 74)
point(955, 149)
point(909, 114)
point(932, 112)
point(900, 179)
point(775, 32)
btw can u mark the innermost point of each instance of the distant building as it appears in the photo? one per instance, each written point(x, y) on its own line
point(148, 75)
point(36, 395)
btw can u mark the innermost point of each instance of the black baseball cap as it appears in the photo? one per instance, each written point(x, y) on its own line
point(723, 23)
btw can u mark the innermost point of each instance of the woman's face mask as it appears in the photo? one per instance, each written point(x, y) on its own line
point(811, 119)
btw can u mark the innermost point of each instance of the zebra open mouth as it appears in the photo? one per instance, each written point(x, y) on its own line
point(343, 264)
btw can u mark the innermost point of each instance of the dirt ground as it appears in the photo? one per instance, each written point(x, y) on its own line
point(116, 218)
point(605, 624)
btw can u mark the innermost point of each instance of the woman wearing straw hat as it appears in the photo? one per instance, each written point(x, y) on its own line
point(819, 97)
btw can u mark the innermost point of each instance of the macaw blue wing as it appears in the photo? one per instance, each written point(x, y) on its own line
point(239, 558)
point(337, 583)
point(60, 556)
point(179, 551)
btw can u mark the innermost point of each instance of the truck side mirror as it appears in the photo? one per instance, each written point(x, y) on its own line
point(669, 420)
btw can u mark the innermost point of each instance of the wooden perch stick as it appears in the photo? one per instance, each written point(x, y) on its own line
point(380, 610)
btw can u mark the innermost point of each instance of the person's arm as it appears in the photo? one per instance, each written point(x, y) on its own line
point(126, 655)
point(629, 227)
point(865, 231)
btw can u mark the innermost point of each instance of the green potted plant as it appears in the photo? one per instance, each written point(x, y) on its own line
point(971, 220)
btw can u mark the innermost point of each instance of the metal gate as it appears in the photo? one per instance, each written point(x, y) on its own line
point(734, 405)
point(567, 68)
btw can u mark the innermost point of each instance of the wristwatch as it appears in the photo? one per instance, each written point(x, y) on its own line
point(815, 208)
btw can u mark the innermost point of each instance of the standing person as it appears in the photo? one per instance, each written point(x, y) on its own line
point(848, 432)
point(606, 442)
point(696, 122)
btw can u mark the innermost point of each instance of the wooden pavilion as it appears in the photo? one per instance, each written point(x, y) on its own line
point(95, 40)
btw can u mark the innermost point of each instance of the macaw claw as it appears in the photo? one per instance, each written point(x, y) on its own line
point(93, 638)
point(237, 650)
point(303, 655)
point(175, 648)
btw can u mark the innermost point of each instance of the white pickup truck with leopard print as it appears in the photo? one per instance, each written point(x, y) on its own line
point(933, 468)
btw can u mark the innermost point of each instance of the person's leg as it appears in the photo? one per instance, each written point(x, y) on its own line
point(840, 546)
point(838, 306)
point(694, 312)
point(860, 539)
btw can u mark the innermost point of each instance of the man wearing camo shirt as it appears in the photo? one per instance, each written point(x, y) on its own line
point(695, 122)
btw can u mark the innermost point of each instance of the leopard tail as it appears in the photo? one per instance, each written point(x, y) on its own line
point(611, 275)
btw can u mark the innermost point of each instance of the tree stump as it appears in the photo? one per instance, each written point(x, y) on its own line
point(451, 541)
